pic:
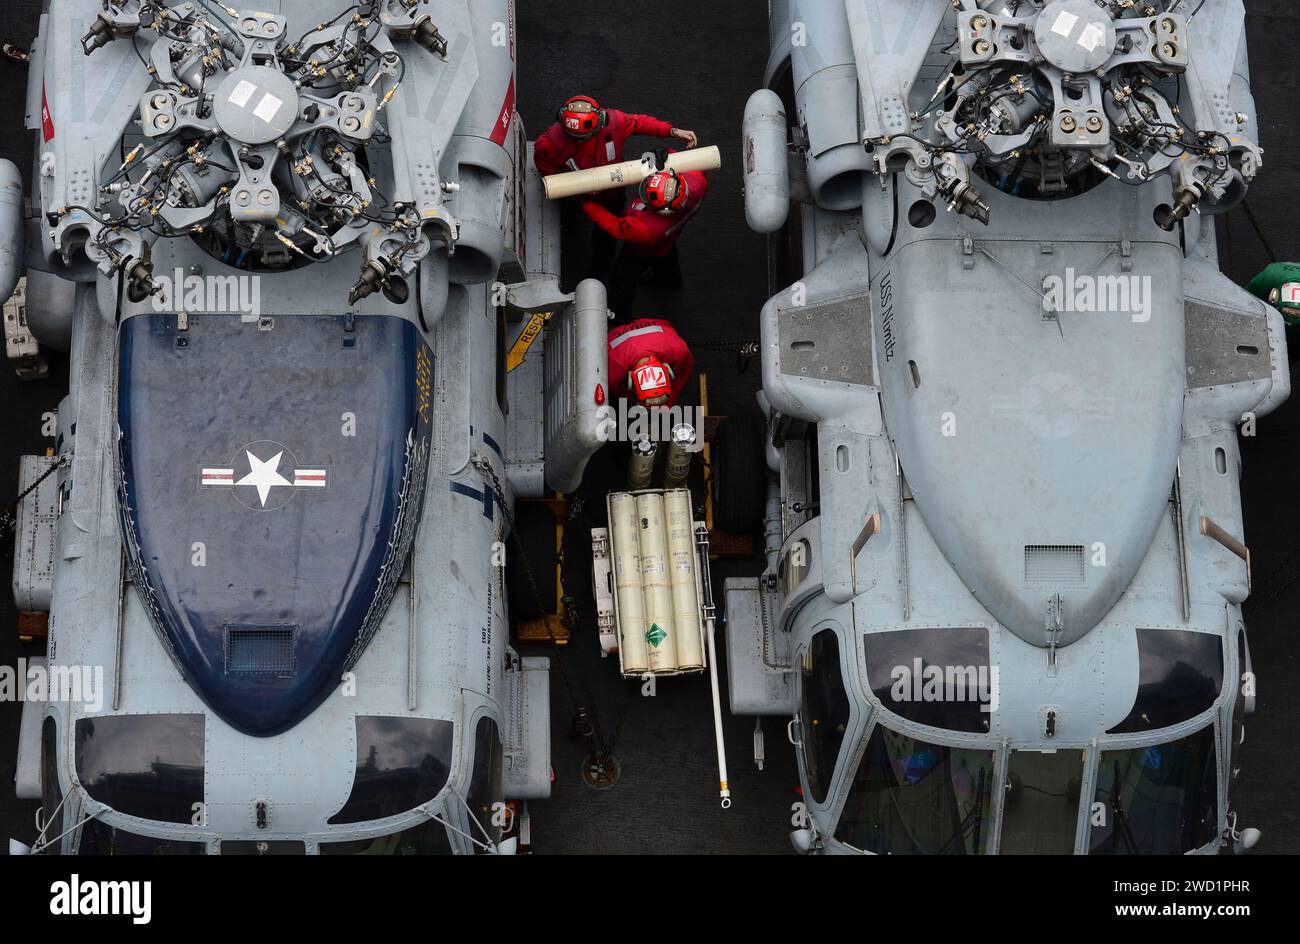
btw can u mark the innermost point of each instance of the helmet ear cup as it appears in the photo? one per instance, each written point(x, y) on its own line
point(683, 193)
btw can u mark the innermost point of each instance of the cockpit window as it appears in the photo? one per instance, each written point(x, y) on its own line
point(1239, 709)
point(149, 766)
point(485, 788)
point(98, 838)
point(401, 763)
point(1040, 812)
point(909, 796)
point(51, 792)
point(1180, 676)
point(428, 838)
point(937, 676)
point(795, 566)
point(1158, 800)
point(823, 711)
point(263, 847)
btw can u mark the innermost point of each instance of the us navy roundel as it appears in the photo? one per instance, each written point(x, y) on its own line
point(263, 476)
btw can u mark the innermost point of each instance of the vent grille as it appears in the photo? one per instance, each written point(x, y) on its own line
point(1054, 565)
point(261, 650)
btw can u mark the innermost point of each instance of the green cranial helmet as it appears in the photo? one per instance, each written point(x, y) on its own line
point(1279, 285)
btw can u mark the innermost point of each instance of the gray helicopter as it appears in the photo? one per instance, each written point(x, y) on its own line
point(1003, 375)
point(288, 252)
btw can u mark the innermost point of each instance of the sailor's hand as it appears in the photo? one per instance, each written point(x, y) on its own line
point(690, 137)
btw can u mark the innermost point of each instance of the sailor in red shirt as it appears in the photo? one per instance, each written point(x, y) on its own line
point(649, 232)
point(585, 136)
point(648, 361)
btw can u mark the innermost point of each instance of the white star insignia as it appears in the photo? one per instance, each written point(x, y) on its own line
point(263, 475)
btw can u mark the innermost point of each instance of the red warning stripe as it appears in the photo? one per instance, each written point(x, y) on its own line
point(502, 126)
point(309, 477)
point(47, 120)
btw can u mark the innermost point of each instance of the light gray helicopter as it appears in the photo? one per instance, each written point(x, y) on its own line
point(1005, 557)
point(288, 249)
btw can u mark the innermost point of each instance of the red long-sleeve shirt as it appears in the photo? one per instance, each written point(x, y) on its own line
point(557, 151)
point(653, 234)
point(647, 336)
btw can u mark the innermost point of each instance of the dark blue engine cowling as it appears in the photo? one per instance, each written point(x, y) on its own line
point(270, 487)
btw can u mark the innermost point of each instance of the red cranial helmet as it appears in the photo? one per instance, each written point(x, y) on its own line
point(581, 117)
point(652, 381)
point(664, 191)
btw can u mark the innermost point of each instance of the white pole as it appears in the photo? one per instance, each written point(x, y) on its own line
point(724, 788)
point(706, 591)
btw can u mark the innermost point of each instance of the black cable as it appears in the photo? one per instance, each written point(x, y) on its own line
point(149, 66)
point(326, 25)
point(1259, 231)
point(41, 478)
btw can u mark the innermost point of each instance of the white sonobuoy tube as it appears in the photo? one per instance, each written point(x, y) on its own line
point(641, 467)
point(696, 159)
point(627, 174)
point(626, 547)
point(681, 450)
point(681, 564)
point(660, 631)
